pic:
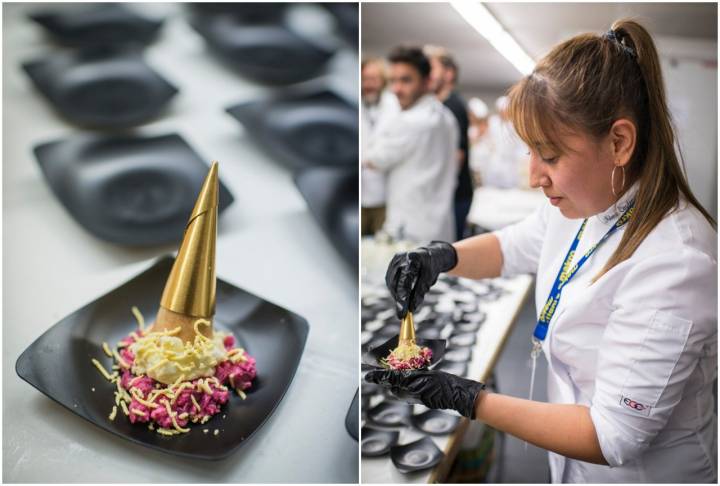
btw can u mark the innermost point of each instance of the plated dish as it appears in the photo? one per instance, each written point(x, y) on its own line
point(59, 365)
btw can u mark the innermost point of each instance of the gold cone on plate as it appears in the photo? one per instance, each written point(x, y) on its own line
point(190, 289)
point(407, 330)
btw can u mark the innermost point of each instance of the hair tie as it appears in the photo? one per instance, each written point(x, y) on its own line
point(612, 36)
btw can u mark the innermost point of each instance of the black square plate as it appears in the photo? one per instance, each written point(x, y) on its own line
point(303, 129)
point(58, 362)
point(93, 24)
point(390, 413)
point(416, 456)
point(136, 191)
point(332, 196)
point(377, 442)
point(101, 87)
point(351, 419)
point(435, 422)
point(261, 47)
point(371, 359)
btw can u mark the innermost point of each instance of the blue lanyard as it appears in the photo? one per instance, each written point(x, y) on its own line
point(566, 273)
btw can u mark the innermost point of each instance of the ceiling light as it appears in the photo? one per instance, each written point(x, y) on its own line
point(480, 18)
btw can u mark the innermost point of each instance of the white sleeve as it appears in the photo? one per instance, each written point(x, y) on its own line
point(391, 144)
point(521, 243)
point(664, 313)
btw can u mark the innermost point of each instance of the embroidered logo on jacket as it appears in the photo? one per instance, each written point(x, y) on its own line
point(635, 406)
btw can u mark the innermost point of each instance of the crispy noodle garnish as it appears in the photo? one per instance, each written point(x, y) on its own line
point(168, 409)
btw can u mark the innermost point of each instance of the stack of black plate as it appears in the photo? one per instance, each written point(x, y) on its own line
point(452, 312)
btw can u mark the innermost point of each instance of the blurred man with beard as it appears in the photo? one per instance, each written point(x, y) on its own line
point(416, 148)
point(443, 80)
point(376, 103)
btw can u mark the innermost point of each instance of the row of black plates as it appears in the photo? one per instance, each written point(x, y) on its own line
point(458, 324)
point(137, 191)
point(256, 39)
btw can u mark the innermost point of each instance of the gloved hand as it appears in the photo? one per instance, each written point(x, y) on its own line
point(434, 389)
point(410, 275)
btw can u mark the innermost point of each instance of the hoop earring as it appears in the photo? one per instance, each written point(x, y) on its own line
point(612, 180)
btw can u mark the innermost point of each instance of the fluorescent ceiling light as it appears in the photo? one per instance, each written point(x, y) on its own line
point(480, 18)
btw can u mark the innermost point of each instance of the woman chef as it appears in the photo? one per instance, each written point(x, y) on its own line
point(626, 268)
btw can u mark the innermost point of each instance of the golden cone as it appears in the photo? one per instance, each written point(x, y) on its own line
point(407, 330)
point(190, 289)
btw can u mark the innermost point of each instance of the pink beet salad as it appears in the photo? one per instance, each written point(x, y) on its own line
point(408, 358)
point(170, 408)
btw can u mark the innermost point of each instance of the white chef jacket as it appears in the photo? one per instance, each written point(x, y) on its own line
point(501, 156)
point(417, 149)
point(638, 346)
point(373, 180)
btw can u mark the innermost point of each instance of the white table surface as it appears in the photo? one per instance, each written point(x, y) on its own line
point(268, 243)
point(494, 208)
point(501, 317)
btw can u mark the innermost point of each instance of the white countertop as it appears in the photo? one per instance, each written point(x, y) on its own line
point(268, 243)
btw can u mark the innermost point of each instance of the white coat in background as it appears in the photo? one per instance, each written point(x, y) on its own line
point(417, 148)
point(373, 180)
point(501, 156)
point(638, 346)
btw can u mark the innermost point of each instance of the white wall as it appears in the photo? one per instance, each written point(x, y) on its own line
point(692, 97)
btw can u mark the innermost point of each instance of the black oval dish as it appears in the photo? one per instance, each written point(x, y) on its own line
point(303, 129)
point(332, 196)
point(416, 456)
point(58, 362)
point(453, 367)
point(435, 422)
point(265, 52)
point(101, 87)
point(390, 414)
point(248, 12)
point(105, 24)
point(463, 339)
point(371, 359)
point(458, 354)
point(351, 419)
point(346, 16)
point(127, 190)
point(377, 442)
point(461, 327)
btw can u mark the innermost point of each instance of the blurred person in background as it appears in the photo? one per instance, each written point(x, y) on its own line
point(416, 148)
point(507, 167)
point(443, 81)
point(376, 103)
point(480, 143)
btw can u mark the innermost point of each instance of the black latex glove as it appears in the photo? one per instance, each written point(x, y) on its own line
point(410, 275)
point(434, 389)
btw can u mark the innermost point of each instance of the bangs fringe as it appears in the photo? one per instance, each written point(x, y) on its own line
point(530, 111)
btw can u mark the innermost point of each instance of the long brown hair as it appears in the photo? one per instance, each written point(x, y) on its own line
point(586, 84)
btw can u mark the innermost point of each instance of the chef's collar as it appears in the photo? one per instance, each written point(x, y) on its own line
point(620, 206)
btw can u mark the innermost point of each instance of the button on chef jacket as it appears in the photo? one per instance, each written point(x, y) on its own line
point(417, 149)
point(638, 346)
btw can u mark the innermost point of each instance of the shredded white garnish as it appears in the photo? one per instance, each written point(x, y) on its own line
point(139, 317)
point(102, 369)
